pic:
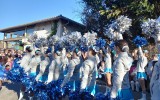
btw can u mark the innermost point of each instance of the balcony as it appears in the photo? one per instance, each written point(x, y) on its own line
point(14, 39)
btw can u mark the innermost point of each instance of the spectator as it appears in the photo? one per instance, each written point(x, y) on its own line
point(151, 64)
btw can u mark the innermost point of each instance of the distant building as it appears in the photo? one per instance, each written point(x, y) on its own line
point(14, 36)
point(1, 44)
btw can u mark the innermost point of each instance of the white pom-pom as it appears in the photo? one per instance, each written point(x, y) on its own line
point(32, 38)
point(90, 38)
point(119, 26)
point(41, 42)
point(53, 40)
point(151, 27)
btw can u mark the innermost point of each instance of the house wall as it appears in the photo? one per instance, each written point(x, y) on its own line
point(72, 28)
point(59, 28)
point(43, 30)
point(66, 27)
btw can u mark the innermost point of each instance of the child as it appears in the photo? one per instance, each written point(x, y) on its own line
point(89, 71)
point(141, 75)
point(73, 75)
point(121, 86)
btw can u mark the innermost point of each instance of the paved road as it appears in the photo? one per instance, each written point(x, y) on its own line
point(10, 91)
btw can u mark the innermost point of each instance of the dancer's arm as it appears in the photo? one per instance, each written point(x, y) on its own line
point(117, 79)
point(71, 68)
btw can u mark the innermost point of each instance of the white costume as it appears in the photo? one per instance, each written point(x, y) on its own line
point(25, 61)
point(141, 64)
point(89, 74)
point(55, 70)
point(108, 63)
point(25, 64)
point(73, 73)
point(150, 67)
point(43, 64)
point(121, 69)
point(35, 61)
point(155, 82)
point(65, 62)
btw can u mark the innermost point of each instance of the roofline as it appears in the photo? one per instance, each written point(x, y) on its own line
point(9, 29)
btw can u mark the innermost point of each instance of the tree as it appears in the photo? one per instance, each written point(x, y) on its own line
point(97, 14)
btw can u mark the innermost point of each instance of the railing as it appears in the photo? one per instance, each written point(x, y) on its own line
point(14, 39)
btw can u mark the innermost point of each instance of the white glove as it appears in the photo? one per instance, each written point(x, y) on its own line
point(46, 82)
point(37, 79)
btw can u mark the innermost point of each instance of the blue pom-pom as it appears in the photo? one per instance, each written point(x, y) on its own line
point(100, 43)
point(67, 89)
point(29, 82)
point(140, 41)
point(100, 96)
point(51, 88)
point(54, 91)
point(16, 74)
point(2, 72)
point(57, 47)
point(86, 96)
point(74, 95)
point(70, 48)
point(111, 45)
point(40, 90)
point(42, 95)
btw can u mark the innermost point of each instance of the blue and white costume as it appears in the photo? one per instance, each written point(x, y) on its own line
point(25, 62)
point(73, 74)
point(141, 64)
point(65, 61)
point(155, 82)
point(121, 86)
point(35, 61)
point(150, 67)
point(55, 70)
point(108, 64)
point(43, 65)
point(89, 74)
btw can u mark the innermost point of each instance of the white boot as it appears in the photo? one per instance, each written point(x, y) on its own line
point(21, 95)
point(143, 97)
point(132, 85)
point(137, 86)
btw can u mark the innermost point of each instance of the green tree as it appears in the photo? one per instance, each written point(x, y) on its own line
point(97, 14)
point(53, 29)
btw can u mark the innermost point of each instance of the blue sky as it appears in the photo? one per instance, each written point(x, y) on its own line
point(16, 12)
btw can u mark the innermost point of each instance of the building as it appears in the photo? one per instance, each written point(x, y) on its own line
point(1, 44)
point(17, 35)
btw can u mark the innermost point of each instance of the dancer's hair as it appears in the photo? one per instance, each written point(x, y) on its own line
point(93, 51)
point(123, 45)
point(77, 51)
point(28, 48)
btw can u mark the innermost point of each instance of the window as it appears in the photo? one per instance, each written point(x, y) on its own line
point(14, 35)
point(30, 31)
point(19, 33)
point(8, 35)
